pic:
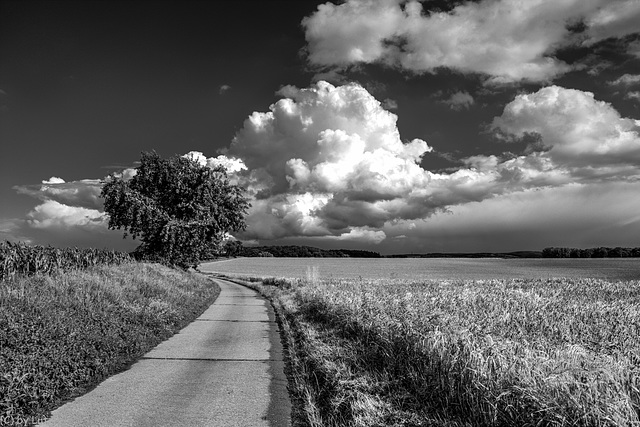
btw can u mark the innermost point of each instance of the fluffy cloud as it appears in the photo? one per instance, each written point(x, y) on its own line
point(55, 214)
point(328, 162)
point(508, 40)
point(327, 159)
point(580, 132)
point(83, 193)
point(231, 165)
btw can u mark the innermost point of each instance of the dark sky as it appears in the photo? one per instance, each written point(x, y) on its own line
point(514, 130)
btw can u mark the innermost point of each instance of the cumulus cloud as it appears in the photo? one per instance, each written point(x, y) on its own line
point(232, 165)
point(459, 101)
point(84, 193)
point(326, 159)
point(54, 214)
point(328, 162)
point(224, 89)
point(53, 180)
point(579, 131)
point(508, 40)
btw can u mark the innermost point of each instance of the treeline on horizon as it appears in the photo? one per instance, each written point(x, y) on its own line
point(297, 251)
point(600, 252)
point(304, 252)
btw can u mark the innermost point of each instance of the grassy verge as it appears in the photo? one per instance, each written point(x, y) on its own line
point(62, 334)
point(493, 353)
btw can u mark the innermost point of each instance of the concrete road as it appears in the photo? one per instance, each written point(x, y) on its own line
point(225, 369)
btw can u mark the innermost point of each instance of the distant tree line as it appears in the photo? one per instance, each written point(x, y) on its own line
point(235, 248)
point(600, 252)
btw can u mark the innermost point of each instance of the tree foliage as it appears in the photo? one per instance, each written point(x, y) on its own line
point(176, 207)
point(600, 252)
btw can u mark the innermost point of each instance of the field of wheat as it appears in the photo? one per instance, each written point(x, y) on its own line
point(546, 352)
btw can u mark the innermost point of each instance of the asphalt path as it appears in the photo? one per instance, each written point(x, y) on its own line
point(225, 369)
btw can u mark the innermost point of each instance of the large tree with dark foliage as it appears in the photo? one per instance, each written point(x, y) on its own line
point(177, 207)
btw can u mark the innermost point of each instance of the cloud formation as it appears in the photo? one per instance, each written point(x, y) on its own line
point(326, 159)
point(626, 80)
point(83, 193)
point(328, 162)
point(507, 40)
point(52, 214)
point(585, 136)
point(574, 215)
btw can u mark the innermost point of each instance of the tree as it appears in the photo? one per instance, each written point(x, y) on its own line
point(233, 248)
point(177, 207)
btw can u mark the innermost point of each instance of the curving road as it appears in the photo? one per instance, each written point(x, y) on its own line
point(225, 369)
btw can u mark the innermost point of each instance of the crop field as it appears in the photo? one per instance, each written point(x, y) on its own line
point(431, 268)
point(23, 259)
point(509, 352)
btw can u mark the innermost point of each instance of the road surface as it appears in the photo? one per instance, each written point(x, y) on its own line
point(225, 369)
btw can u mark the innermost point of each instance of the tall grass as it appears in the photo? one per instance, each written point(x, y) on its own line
point(22, 259)
point(61, 334)
point(553, 352)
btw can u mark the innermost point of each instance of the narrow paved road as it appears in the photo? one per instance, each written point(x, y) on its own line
point(223, 370)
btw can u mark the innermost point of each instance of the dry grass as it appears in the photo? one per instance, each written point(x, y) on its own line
point(61, 334)
point(465, 353)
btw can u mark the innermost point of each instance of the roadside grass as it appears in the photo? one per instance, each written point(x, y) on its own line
point(543, 352)
point(61, 334)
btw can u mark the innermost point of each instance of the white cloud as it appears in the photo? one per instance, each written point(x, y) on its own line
point(626, 80)
point(615, 18)
point(324, 153)
point(232, 165)
point(508, 40)
point(580, 131)
point(53, 180)
point(52, 214)
point(459, 101)
point(224, 89)
point(84, 193)
point(328, 161)
point(363, 235)
point(327, 164)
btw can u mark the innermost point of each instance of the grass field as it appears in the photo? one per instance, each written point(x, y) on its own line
point(544, 352)
point(61, 334)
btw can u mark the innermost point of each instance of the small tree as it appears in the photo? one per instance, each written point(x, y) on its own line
point(177, 207)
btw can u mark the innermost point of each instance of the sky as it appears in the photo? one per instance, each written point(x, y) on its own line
point(387, 125)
